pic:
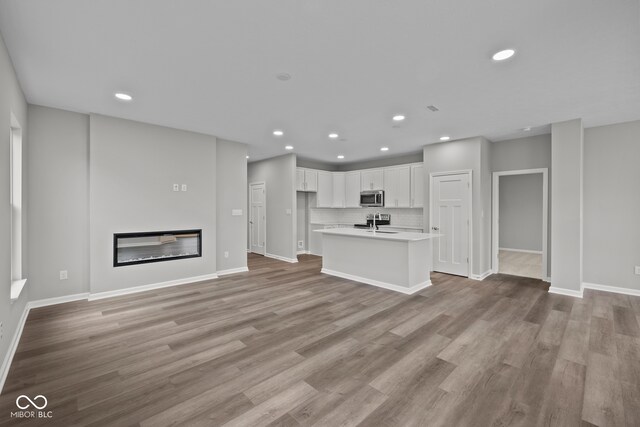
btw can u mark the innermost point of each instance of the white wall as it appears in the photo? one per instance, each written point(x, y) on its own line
point(231, 181)
point(520, 212)
point(132, 168)
point(12, 101)
point(532, 152)
point(462, 155)
point(279, 174)
point(58, 158)
point(566, 211)
point(612, 205)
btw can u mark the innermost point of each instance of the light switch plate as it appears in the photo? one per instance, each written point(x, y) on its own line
point(176, 187)
point(184, 187)
point(64, 275)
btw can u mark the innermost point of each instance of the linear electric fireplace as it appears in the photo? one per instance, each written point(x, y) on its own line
point(155, 246)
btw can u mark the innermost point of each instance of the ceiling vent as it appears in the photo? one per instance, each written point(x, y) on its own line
point(432, 108)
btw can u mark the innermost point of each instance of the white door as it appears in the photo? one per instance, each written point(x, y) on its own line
point(258, 218)
point(450, 217)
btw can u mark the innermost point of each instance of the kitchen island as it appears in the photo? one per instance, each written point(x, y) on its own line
point(400, 261)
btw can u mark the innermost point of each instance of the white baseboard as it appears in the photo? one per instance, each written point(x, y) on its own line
point(232, 271)
point(526, 251)
point(481, 276)
point(13, 346)
point(606, 288)
point(281, 258)
point(57, 300)
point(303, 252)
point(547, 279)
point(567, 292)
point(379, 284)
point(136, 289)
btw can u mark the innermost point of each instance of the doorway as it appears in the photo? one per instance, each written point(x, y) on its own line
point(258, 218)
point(520, 223)
point(450, 215)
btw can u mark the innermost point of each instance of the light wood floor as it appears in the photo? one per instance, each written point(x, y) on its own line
point(520, 263)
point(285, 345)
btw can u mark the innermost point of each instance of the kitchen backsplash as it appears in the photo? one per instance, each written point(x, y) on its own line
point(402, 217)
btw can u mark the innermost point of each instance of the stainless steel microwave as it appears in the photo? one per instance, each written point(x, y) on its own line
point(372, 198)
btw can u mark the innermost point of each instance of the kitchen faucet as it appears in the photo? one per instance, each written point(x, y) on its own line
point(375, 215)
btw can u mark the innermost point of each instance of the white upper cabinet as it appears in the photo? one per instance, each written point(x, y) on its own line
point(352, 189)
point(324, 197)
point(397, 187)
point(338, 190)
point(306, 179)
point(372, 179)
point(417, 186)
point(299, 179)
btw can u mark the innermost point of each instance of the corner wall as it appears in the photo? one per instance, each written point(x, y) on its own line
point(612, 205)
point(231, 234)
point(58, 158)
point(12, 101)
point(279, 174)
point(462, 155)
point(132, 169)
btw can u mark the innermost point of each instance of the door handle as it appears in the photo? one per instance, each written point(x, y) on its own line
point(251, 222)
point(435, 228)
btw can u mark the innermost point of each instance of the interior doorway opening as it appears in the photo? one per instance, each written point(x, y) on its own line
point(520, 223)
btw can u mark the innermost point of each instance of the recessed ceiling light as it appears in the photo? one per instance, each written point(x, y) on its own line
point(445, 138)
point(340, 156)
point(278, 132)
point(398, 118)
point(384, 149)
point(527, 129)
point(123, 96)
point(503, 54)
point(333, 135)
point(289, 147)
point(247, 157)
point(283, 76)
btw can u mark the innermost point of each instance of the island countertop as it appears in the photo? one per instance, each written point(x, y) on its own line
point(380, 234)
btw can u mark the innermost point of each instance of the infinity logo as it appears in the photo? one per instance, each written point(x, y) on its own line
point(22, 397)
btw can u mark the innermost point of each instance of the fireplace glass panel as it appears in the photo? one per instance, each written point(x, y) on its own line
point(138, 248)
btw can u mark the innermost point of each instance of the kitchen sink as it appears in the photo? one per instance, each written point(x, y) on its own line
point(382, 232)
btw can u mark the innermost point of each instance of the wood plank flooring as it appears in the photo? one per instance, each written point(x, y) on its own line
point(284, 345)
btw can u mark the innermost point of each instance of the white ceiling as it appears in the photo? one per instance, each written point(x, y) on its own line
point(210, 66)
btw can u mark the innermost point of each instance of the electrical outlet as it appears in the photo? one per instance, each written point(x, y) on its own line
point(300, 244)
point(64, 275)
point(184, 187)
point(176, 187)
point(226, 254)
point(638, 270)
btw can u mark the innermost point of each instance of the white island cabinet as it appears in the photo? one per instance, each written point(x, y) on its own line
point(399, 261)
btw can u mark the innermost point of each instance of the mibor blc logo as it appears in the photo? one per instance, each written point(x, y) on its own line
point(31, 407)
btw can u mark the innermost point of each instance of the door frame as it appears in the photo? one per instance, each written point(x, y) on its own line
point(264, 184)
point(495, 223)
point(468, 172)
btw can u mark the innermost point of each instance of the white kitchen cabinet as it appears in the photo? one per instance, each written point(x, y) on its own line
point(417, 186)
point(352, 189)
point(324, 195)
point(397, 187)
point(306, 180)
point(338, 190)
point(372, 179)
